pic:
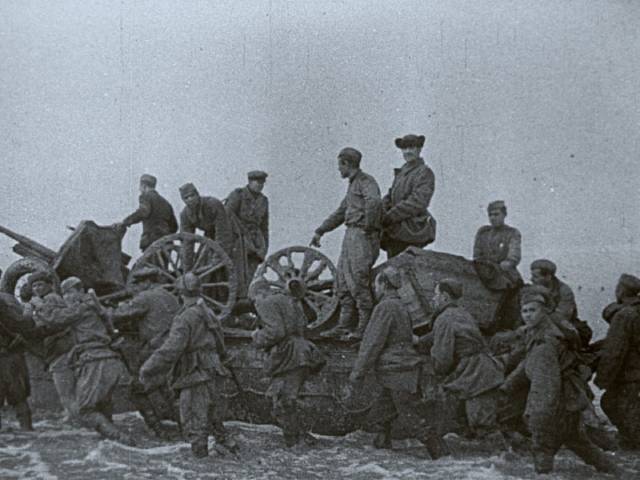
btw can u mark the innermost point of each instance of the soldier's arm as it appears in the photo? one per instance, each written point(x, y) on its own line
point(264, 227)
point(478, 254)
point(143, 211)
point(224, 233)
point(567, 303)
point(386, 201)
point(334, 220)
point(543, 371)
point(373, 342)
point(187, 227)
point(514, 255)
point(614, 350)
point(171, 350)
point(372, 205)
point(57, 316)
point(173, 223)
point(417, 202)
point(128, 311)
point(272, 331)
point(233, 202)
point(515, 381)
point(443, 349)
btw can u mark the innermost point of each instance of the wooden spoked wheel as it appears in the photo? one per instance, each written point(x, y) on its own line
point(174, 255)
point(316, 272)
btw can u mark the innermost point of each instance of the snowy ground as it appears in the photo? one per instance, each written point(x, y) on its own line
point(57, 451)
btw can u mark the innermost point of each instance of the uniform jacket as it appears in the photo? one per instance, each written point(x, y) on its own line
point(460, 353)
point(406, 214)
point(252, 210)
point(210, 217)
point(193, 350)
point(147, 316)
point(566, 310)
point(58, 344)
point(361, 207)
point(387, 345)
point(282, 335)
point(156, 215)
point(497, 244)
point(620, 354)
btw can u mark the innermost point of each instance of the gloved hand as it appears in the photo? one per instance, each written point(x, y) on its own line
point(315, 241)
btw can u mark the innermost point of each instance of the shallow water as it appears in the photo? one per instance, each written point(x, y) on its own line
point(57, 451)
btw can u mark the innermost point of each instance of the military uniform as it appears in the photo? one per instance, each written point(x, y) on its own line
point(291, 359)
point(472, 375)
point(143, 323)
point(563, 303)
point(360, 212)
point(557, 396)
point(210, 217)
point(98, 369)
point(387, 350)
point(156, 215)
point(193, 351)
point(407, 221)
point(618, 370)
point(252, 211)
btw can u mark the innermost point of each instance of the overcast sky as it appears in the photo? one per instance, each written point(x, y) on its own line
point(533, 102)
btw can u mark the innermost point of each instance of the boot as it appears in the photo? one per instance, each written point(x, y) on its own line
point(23, 413)
point(542, 462)
point(436, 445)
point(152, 421)
point(342, 328)
point(383, 439)
point(109, 431)
point(363, 321)
point(200, 449)
point(222, 437)
point(308, 439)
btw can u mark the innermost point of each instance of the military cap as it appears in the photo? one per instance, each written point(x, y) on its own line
point(349, 153)
point(410, 140)
point(497, 205)
point(189, 284)
point(630, 282)
point(544, 265)
point(187, 189)
point(70, 283)
point(392, 276)
point(531, 297)
point(539, 290)
point(257, 175)
point(145, 272)
point(40, 276)
point(452, 286)
point(149, 180)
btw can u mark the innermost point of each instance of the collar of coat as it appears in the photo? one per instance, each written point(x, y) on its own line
point(355, 175)
point(408, 166)
point(613, 308)
point(440, 311)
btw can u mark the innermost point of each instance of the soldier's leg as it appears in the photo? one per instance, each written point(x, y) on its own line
point(347, 302)
point(16, 389)
point(217, 413)
point(194, 412)
point(482, 413)
point(621, 404)
point(547, 441)
point(577, 440)
point(381, 417)
point(364, 250)
point(284, 391)
point(65, 382)
point(23, 413)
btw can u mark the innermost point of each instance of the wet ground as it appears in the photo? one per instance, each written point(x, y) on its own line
point(58, 451)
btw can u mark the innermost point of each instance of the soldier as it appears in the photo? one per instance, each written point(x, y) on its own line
point(618, 371)
point(155, 213)
point(143, 323)
point(557, 393)
point(360, 211)
point(543, 273)
point(407, 221)
point(292, 358)
point(15, 387)
point(43, 302)
point(459, 352)
point(496, 255)
point(388, 351)
point(97, 368)
point(207, 214)
point(194, 351)
point(251, 209)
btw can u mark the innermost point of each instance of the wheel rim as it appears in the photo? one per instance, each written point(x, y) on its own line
point(317, 273)
point(209, 262)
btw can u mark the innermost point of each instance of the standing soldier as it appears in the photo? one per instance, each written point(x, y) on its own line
point(248, 209)
point(97, 368)
point(207, 214)
point(388, 351)
point(561, 298)
point(407, 221)
point(360, 211)
point(143, 323)
point(194, 351)
point(619, 367)
point(460, 353)
point(496, 255)
point(292, 358)
point(155, 213)
point(557, 393)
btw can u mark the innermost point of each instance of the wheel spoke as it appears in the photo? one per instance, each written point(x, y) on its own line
point(216, 285)
point(277, 284)
point(292, 266)
point(321, 285)
point(210, 270)
point(312, 305)
point(200, 255)
point(317, 272)
point(161, 260)
point(161, 271)
point(306, 263)
point(213, 302)
point(320, 297)
point(276, 267)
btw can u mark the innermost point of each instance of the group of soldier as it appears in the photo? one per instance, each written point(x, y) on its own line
point(527, 370)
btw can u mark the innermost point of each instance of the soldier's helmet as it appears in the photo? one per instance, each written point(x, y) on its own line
point(189, 284)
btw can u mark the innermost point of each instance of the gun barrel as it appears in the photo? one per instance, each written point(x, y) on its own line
point(29, 244)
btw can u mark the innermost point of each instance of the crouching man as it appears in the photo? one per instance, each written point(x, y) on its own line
point(292, 358)
point(387, 350)
point(557, 394)
point(194, 351)
point(97, 368)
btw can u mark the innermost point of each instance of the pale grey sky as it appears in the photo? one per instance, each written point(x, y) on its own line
point(536, 103)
